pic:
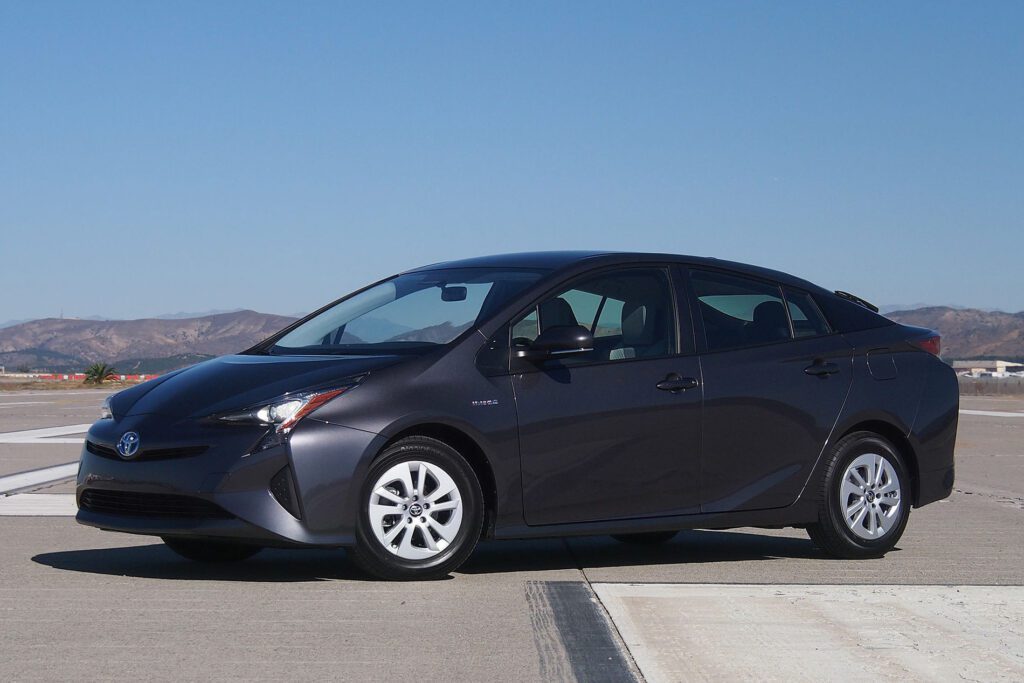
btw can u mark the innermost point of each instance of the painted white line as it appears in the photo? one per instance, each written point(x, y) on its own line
point(46, 435)
point(38, 505)
point(863, 633)
point(16, 482)
point(23, 403)
point(991, 413)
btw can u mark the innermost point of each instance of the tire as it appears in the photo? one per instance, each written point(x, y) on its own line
point(646, 538)
point(418, 541)
point(880, 506)
point(202, 550)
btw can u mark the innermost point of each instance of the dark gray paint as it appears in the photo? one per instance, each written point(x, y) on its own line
point(742, 453)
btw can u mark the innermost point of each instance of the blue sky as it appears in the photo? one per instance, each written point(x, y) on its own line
point(159, 157)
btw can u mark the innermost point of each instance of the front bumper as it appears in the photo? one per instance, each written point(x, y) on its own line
point(225, 492)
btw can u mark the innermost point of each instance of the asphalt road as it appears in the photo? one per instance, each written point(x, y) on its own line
point(947, 604)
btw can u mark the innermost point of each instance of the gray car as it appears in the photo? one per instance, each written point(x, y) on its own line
point(530, 395)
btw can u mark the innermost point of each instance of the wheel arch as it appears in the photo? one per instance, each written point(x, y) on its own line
point(468, 448)
point(898, 439)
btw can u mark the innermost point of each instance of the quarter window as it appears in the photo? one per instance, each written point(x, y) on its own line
point(807, 319)
point(739, 311)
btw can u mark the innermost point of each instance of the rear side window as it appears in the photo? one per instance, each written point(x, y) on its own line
point(807, 319)
point(739, 311)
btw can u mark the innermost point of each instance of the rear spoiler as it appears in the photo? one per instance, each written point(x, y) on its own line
point(857, 300)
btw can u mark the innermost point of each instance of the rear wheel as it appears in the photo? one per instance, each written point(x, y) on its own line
point(202, 550)
point(646, 538)
point(421, 512)
point(864, 499)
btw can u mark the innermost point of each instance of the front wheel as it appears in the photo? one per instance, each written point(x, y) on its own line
point(202, 550)
point(864, 500)
point(421, 512)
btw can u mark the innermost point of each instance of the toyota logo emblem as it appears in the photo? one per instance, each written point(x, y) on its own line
point(128, 446)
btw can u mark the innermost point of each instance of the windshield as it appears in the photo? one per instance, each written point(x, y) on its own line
point(409, 313)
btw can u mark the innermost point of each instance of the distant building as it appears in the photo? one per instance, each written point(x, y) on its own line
point(988, 368)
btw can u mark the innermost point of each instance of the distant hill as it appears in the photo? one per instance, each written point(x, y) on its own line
point(155, 345)
point(139, 345)
point(970, 332)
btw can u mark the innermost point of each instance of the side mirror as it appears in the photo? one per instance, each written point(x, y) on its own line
point(557, 341)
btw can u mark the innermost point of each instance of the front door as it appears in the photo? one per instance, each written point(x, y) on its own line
point(613, 433)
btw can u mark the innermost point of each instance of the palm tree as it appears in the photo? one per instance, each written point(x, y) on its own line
point(98, 373)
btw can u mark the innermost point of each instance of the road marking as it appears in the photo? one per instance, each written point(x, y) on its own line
point(38, 505)
point(991, 413)
point(46, 435)
point(24, 403)
point(22, 480)
point(799, 632)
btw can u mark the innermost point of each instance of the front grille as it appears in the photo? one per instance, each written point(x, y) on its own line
point(146, 454)
point(180, 452)
point(150, 505)
point(100, 449)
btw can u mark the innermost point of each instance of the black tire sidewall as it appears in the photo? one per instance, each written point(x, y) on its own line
point(379, 560)
point(850, 450)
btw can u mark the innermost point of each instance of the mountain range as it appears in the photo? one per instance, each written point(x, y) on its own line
point(154, 345)
point(146, 345)
point(970, 332)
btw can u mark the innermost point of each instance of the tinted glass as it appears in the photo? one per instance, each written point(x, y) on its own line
point(629, 312)
point(807, 319)
point(408, 313)
point(847, 316)
point(738, 311)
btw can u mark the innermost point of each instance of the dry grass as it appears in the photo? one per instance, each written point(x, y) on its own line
point(21, 384)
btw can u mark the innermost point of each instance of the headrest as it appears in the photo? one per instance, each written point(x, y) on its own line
point(638, 324)
point(769, 314)
point(556, 313)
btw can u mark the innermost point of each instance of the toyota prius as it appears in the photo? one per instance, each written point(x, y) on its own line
point(537, 395)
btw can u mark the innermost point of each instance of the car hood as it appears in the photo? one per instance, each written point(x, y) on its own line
point(236, 382)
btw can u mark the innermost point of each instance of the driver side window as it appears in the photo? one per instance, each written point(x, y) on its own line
point(629, 312)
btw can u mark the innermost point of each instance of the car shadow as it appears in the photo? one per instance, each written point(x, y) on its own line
point(156, 561)
point(593, 552)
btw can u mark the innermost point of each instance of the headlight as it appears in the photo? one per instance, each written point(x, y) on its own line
point(284, 413)
point(105, 412)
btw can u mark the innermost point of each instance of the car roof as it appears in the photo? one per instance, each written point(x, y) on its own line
point(564, 260)
point(543, 260)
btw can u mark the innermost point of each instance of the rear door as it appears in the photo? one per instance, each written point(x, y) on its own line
point(599, 439)
point(775, 380)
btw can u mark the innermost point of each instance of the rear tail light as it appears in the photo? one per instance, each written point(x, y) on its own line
point(932, 344)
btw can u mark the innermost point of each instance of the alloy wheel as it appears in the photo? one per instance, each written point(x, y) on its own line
point(869, 496)
point(415, 510)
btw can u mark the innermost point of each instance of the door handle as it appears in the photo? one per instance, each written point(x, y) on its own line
point(675, 383)
point(820, 368)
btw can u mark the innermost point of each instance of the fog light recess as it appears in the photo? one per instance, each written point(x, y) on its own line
point(282, 488)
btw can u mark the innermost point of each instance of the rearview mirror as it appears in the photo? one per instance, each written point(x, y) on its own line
point(456, 293)
point(558, 341)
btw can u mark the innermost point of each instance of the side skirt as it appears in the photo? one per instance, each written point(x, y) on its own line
point(799, 514)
